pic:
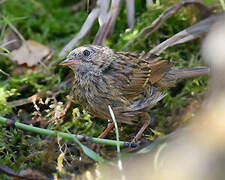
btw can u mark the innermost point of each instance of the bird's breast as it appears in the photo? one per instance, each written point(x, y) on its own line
point(92, 91)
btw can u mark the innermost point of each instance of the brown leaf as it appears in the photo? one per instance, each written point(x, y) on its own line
point(30, 53)
point(13, 41)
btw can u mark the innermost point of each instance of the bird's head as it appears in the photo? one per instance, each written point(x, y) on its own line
point(88, 58)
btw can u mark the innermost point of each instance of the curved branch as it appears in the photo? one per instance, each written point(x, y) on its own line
point(193, 32)
point(84, 30)
point(147, 31)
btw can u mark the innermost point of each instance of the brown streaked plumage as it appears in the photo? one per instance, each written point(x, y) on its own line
point(131, 83)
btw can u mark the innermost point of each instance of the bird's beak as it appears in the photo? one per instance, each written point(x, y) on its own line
point(69, 62)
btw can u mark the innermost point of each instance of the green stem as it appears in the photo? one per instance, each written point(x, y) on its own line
point(66, 136)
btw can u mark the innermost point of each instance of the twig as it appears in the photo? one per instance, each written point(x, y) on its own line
point(149, 2)
point(17, 32)
point(130, 13)
point(23, 39)
point(193, 32)
point(39, 95)
point(114, 12)
point(6, 74)
point(103, 20)
point(108, 25)
point(14, 29)
point(77, 6)
point(147, 31)
point(84, 30)
point(7, 43)
point(102, 33)
point(103, 15)
point(66, 136)
point(10, 173)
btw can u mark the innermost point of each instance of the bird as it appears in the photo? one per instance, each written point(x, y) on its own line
point(131, 83)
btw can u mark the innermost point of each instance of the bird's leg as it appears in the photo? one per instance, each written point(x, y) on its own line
point(106, 131)
point(102, 135)
point(68, 105)
point(147, 118)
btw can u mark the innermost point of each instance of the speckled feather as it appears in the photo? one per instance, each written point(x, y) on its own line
point(128, 82)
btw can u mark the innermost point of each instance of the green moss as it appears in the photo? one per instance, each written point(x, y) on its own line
point(44, 21)
point(4, 107)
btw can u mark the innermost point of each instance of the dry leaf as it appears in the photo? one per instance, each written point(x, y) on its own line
point(12, 40)
point(30, 53)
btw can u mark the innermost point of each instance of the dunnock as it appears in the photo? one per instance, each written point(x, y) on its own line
point(130, 82)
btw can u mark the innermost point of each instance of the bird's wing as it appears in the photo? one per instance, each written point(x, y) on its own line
point(141, 70)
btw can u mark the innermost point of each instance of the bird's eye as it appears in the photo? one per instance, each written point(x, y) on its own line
point(86, 52)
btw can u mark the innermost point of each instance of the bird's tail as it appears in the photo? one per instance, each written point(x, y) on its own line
point(189, 72)
point(175, 75)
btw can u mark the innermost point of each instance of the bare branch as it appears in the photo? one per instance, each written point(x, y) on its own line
point(56, 90)
point(6, 74)
point(164, 16)
point(105, 29)
point(130, 13)
point(114, 11)
point(149, 2)
point(84, 30)
point(193, 32)
point(8, 43)
point(102, 33)
point(103, 15)
point(77, 6)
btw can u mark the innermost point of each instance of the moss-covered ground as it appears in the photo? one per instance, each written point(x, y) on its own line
point(54, 24)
